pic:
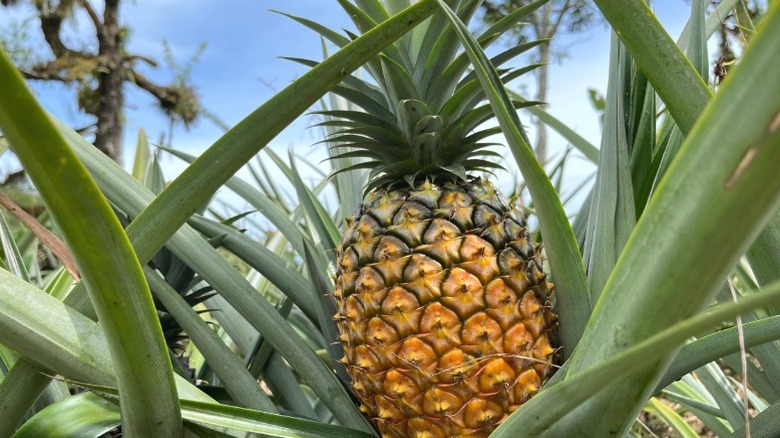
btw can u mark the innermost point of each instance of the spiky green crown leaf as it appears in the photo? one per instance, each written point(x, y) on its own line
point(422, 109)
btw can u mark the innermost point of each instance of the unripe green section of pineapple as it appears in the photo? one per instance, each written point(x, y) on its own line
point(444, 311)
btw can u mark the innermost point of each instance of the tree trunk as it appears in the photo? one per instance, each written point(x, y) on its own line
point(541, 96)
point(111, 97)
point(101, 85)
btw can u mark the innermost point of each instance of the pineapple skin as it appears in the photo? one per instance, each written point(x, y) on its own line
point(443, 308)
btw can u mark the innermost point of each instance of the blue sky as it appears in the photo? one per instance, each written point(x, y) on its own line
point(241, 68)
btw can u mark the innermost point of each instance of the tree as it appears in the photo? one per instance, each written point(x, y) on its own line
point(100, 76)
point(730, 31)
point(545, 22)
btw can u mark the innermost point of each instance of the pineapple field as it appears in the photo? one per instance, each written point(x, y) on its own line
point(400, 293)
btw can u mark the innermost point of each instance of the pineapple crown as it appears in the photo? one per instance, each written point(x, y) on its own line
point(419, 116)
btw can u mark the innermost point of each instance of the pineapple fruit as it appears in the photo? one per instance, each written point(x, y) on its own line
point(444, 311)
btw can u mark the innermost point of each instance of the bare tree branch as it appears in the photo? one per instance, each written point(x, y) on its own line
point(73, 67)
point(93, 15)
point(561, 14)
point(178, 102)
point(545, 23)
point(151, 62)
point(536, 24)
point(145, 84)
point(50, 25)
point(44, 76)
point(101, 76)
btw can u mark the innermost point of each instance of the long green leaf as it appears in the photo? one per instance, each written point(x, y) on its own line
point(697, 46)
point(696, 50)
point(13, 258)
point(691, 396)
point(584, 146)
point(87, 414)
point(719, 344)
point(612, 214)
point(192, 249)
point(644, 138)
point(729, 404)
point(661, 60)
point(241, 386)
point(764, 254)
point(232, 418)
point(561, 246)
point(712, 24)
point(21, 386)
point(104, 256)
point(553, 403)
point(764, 425)
point(14, 400)
point(271, 266)
point(722, 179)
point(316, 214)
point(223, 159)
point(672, 418)
point(283, 382)
point(143, 156)
point(46, 331)
point(327, 308)
point(240, 331)
point(82, 415)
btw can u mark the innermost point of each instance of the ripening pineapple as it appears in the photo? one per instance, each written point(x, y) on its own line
point(443, 308)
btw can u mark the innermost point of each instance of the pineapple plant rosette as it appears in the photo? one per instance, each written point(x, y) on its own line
point(427, 357)
point(444, 311)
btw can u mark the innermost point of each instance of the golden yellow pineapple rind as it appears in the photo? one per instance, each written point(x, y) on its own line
point(444, 310)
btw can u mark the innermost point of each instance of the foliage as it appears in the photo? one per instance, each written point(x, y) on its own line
point(542, 25)
point(573, 15)
point(100, 76)
point(681, 222)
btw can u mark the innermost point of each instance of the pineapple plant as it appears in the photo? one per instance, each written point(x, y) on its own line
point(631, 346)
point(444, 310)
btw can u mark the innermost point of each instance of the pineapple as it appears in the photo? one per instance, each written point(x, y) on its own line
point(444, 311)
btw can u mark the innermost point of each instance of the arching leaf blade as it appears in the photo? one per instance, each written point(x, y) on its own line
point(561, 246)
point(121, 296)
